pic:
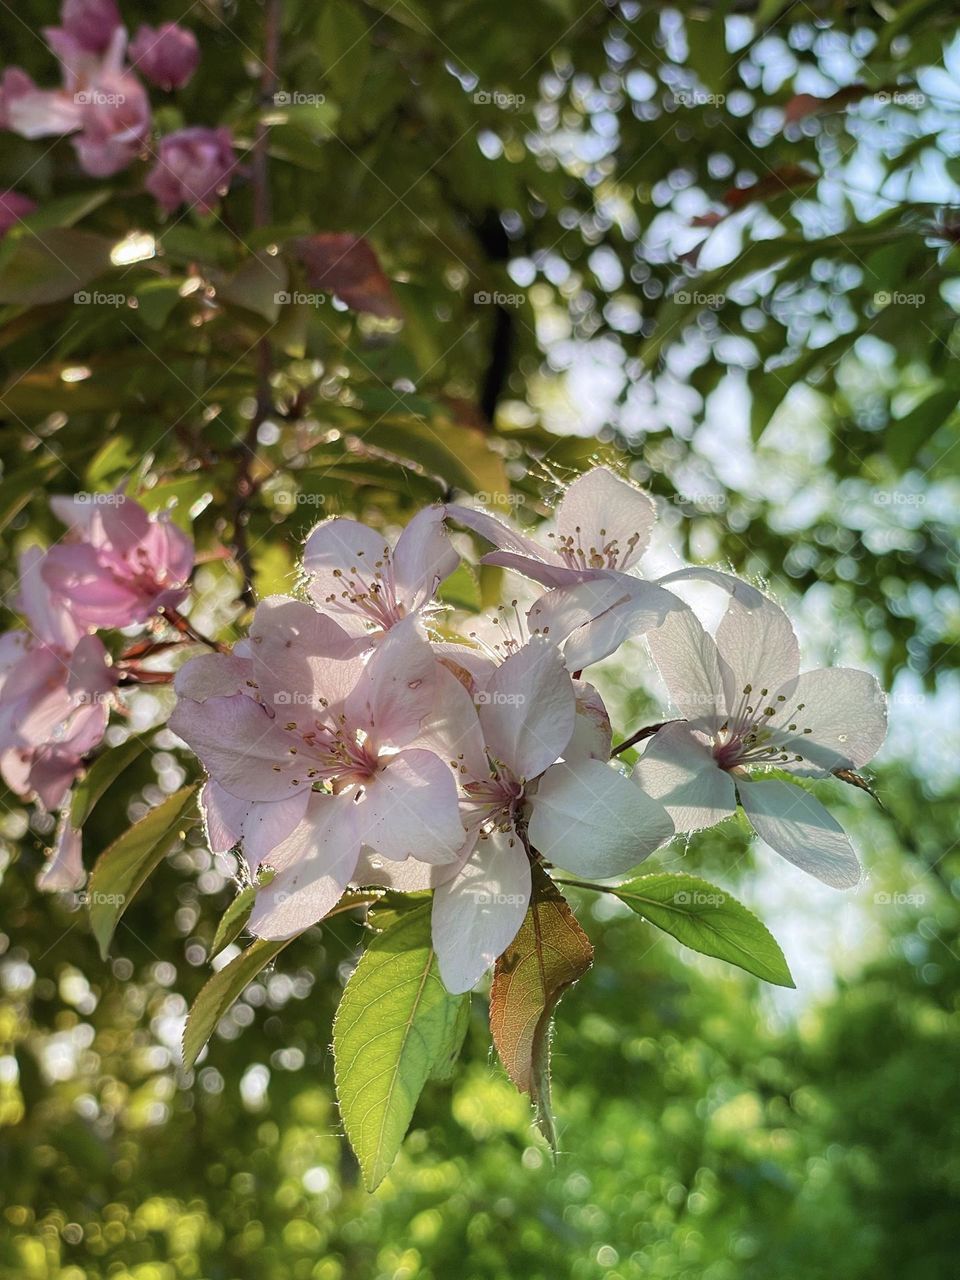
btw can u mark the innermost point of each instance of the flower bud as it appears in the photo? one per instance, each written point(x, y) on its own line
point(167, 55)
point(193, 168)
point(91, 23)
point(13, 207)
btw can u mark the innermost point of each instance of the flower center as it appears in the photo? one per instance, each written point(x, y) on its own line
point(607, 554)
point(751, 737)
point(369, 590)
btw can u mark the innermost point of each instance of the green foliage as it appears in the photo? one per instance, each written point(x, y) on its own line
point(397, 1026)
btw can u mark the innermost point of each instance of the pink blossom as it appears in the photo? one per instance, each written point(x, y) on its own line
point(101, 103)
point(193, 167)
point(167, 55)
point(532, 783)
point(13, 208)
point(747, 710)
point(118, 565)
point(594, 601)
point(55, 683)
point(299, 713)
point(92, 23)
point(354, 575)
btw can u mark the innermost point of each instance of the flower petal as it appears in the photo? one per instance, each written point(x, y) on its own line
point(259, 825)
point(503, 536)
point(600, 511)
point(241, 747)
point(690, 666)
point(679, 770)
point(342, 559)
point(797, 826)
point(423, 558)
point(396, 688)
point(212, 675)
point(303, 661)
point(589, 819)
point(846, 713)
point(411, 809)
point(478, 914)
point(592, 619)
point(527, 709)
point(592, 734)
point(317, 863)
point(409, 876)
point(64, 869)
point(759, 648)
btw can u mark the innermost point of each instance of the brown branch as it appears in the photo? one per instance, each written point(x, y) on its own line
point(187, 629)
point(246, 486)
point(639, 736)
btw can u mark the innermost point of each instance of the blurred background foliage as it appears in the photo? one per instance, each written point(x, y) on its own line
point(715, 241)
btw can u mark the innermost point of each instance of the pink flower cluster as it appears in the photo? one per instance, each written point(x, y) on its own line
point(348, 742)
point(104, 107)
point(115, 567)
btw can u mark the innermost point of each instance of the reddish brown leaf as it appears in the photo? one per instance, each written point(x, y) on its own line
point(546, 957)
point(808, 104)
point(788, 177)
point(346, 265)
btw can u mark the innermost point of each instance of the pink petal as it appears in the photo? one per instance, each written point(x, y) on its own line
point(64, 868)
point(259, 825)
point(502, 535)
point(302, 660)
point(601, 511)
point(797, 826)
point(589, 819)
point(678, 769)
point(423, 557)
point(214, 675)
point(528, 709)
point(49, 616)
point(411, 809)
point(318, 861)
point(396, 689)
point(342, 559)
point(592, 734)
point(477, 915)
point(241, 747)
point(592, 619)
point(409, 876)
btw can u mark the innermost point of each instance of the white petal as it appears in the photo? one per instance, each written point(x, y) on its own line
point(845, 710)
point(797, 826)
point(424, 556)
point(589, 819)
point(527, 709)
point(592, 734)
point(600, 509)
point(678, 769)
point(64, 869)
point(397, 687)
point(759, 648)
point(501, 534)
point(452, 728)
point(691, 668)
point(411, 809)
point(342, 559)
point(318, 861)
point(595, 617)
point(409, 876)
point(477, 915)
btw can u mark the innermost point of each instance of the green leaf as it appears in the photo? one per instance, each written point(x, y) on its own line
point(222, 990)
point(397, 1024)
point(122, 868)
point(904, 438)
point(52, 265)
point(233, 919)
point(101, 774)
point(343, 41)
point(706, 919)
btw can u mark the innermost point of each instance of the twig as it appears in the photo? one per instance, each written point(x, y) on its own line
point(639, 736)
point(186, 628)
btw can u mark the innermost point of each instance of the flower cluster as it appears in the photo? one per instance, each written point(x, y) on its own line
point(115, 567)
point(351, 742)
point(103, 105)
